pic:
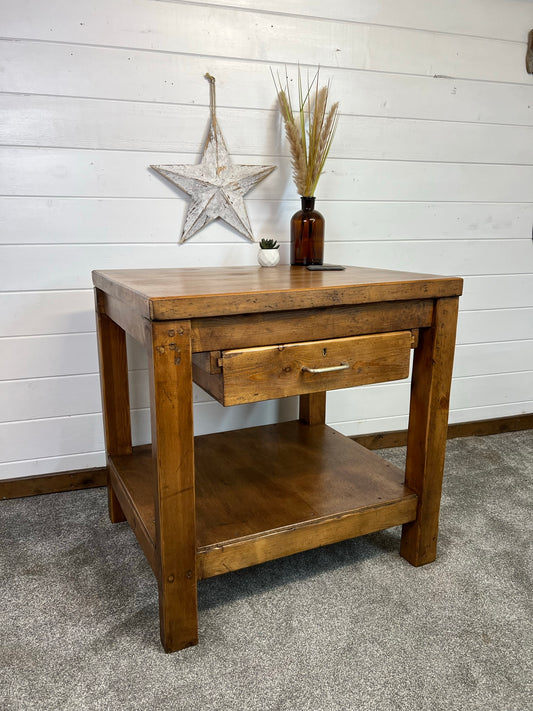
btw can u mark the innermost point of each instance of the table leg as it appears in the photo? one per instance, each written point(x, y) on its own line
point(170, 376)
point(428, 424)
point(115, 394)
point(313, 408)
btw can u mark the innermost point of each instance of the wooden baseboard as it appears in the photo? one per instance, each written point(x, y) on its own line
point(53, 483)
point(480, 428)
point(88, 478)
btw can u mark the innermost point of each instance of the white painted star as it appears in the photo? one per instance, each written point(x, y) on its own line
point(217, 187)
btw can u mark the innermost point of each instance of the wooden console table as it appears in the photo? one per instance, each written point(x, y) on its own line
point(202, 506)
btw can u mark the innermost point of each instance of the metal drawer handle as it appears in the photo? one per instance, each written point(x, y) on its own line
point(331, 369)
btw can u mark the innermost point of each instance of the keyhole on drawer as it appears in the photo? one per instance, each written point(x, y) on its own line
point(324, 351)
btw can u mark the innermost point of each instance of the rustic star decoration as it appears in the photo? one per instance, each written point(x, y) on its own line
point(217, 187)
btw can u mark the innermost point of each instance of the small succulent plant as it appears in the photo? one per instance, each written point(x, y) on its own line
point(268, 244)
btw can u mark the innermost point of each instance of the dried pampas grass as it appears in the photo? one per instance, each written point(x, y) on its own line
point(310, 132)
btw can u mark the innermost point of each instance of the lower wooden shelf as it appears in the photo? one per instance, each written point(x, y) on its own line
point(270, 491)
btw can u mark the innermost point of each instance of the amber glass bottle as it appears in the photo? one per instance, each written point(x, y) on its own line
point(307, 235)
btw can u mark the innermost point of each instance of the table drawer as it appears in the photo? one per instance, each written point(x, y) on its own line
point(268, 372)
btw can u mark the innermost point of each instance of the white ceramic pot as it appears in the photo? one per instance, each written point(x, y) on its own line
point(268, 257)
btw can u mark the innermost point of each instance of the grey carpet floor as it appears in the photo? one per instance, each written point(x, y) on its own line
point(350, 626)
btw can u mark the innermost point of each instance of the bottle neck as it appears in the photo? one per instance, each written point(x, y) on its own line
point(308, 203)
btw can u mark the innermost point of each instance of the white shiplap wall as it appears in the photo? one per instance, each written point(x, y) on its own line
point(431, 170)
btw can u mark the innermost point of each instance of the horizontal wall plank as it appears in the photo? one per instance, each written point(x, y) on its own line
point(55, 172)
point(65, 436)
point(39, 398)
point(373, 409)
point(39, 466)
point(457, 257)
point(34, 220)
point(55, 437)
point(139, 75)
point(265, 37)
point(487, 390)
point(476, 17)
point(497, 292)
point(68, 396)
point(46, 313)
point(83, 259)
point(495, 325)
point(51, 437)
point(76, 353)
point(392, 400)
point(473, 359)
point(61, 122)
point(49, 397)
point(66, 312)
point(48, 356)
point(50, 465)
point(42, 367)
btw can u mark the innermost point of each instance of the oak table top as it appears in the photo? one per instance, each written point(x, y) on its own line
point(166, 294)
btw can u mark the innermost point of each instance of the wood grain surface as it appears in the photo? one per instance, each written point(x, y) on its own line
point(428, 425)
point(266, 492)
point(163, 294)
point(270, 372)
point(170, 380)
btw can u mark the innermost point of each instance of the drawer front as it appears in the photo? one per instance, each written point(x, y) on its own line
point(253, 374)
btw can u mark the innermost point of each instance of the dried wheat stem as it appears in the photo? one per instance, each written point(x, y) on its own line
point(310, 133)
point(298, 158)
